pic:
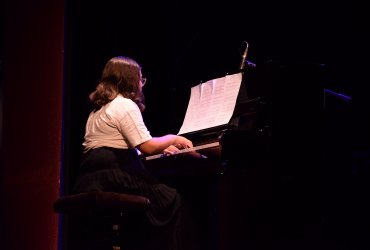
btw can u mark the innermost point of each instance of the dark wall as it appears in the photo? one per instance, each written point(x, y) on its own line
point(181, 43)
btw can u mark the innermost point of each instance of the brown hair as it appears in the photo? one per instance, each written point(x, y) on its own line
point(121, 75)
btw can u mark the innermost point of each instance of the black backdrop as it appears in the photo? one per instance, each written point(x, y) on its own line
point(181, 43)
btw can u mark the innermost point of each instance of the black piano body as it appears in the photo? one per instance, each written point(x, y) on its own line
point(244, 138)
point(211, 180)
point(259, 181)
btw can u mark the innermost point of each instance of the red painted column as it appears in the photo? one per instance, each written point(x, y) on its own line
point(31, 130)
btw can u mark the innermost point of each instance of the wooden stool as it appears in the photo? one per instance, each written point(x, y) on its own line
point(100, 217)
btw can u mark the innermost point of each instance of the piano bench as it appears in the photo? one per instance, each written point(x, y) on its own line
point(100, 220)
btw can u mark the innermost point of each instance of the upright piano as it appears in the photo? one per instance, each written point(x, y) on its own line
point(256, 177)
point(210, 178)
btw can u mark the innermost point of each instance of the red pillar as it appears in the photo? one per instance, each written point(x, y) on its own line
point(31, 129)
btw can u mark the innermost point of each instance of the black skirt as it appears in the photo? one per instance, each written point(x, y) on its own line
point(121, 170)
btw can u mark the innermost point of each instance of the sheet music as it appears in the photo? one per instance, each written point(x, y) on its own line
point(211, 103)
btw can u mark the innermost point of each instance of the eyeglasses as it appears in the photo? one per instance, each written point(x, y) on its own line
point(143, 81)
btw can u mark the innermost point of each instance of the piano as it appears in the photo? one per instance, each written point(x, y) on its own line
point(207, 179)
point(260, 169)
point(247, 131)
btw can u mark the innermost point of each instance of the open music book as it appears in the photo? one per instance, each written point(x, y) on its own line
point(211, 103)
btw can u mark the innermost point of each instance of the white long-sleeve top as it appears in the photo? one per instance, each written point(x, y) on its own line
point(118, 124)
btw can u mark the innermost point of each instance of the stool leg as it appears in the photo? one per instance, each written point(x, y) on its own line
point(116, 237)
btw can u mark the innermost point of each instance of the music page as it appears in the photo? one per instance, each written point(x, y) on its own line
point(211, 103)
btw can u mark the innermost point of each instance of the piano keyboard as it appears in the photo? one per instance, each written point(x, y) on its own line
point(200, 147)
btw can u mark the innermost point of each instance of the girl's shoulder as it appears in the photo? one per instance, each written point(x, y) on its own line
point(121, 102)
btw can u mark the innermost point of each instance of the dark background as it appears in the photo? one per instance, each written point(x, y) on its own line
point(181, 43)
point(52, 54)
